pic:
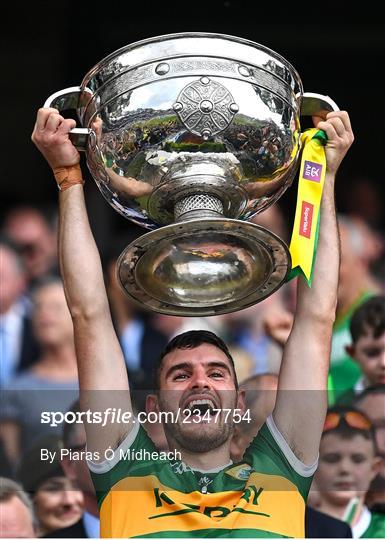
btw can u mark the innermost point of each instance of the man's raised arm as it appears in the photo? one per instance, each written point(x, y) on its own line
point(102, 371)
point(302, 400)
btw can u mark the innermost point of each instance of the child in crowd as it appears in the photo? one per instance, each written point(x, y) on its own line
point(347, 464)
point(367, 329)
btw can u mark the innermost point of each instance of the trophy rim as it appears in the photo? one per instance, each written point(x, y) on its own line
point(270, 242)
point(180, 35)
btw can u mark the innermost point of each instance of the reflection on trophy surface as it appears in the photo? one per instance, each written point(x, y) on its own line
point(190, 135)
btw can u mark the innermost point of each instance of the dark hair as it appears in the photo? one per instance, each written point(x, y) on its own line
point(191, 340)
point(369, 315)
point(346, 431)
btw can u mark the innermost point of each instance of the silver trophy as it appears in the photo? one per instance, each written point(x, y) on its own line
point(190, 135)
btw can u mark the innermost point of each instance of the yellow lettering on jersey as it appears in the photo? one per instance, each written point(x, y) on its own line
point(142, 505)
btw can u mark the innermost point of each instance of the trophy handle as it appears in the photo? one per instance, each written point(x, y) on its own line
point(72, 98)
point(317, 104)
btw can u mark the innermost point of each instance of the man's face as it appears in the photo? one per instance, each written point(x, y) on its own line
point(346, 467)
point(369, 352)
point(16, 519)
point(38, 244)
point(200, 379)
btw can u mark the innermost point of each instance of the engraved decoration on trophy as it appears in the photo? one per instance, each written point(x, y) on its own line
point(191, 135)
point(205, 107)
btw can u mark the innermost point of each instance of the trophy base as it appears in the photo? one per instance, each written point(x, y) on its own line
point(203, 267)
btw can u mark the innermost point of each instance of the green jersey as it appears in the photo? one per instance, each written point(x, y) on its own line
point(376, 528)
point(264, 496)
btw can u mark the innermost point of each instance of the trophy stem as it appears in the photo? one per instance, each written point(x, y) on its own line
point(198, 206)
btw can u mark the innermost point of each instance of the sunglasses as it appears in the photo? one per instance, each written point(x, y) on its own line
point(353, 419)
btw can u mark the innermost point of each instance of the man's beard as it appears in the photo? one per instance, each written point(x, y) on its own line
point(200, 441)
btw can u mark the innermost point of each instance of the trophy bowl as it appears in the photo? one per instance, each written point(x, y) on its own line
point(190, 135)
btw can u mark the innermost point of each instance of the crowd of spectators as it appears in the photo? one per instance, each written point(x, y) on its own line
point(39, 373)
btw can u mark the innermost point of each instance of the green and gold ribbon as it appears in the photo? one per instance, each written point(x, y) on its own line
point(304, 239)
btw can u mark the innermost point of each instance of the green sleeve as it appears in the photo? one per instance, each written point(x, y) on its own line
point(120, 462)
point(269, 453)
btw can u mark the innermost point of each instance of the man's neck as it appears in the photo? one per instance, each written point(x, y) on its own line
point(205, 461)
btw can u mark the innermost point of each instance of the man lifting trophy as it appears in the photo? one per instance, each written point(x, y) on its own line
point(190, 135)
